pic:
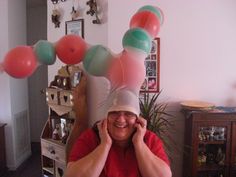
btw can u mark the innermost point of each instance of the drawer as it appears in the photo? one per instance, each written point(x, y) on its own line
point(66, 98)
point(53, 151)
point(59, 169)
point(52, 96)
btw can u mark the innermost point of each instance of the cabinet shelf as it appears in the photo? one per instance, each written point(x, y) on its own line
point(48, 169)
point(55, 142)
point(212, 142)
point(213, 167)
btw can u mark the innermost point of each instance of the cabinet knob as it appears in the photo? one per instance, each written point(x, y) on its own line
point(52, 151)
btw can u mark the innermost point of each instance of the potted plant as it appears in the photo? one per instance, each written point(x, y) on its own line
point(159, 121)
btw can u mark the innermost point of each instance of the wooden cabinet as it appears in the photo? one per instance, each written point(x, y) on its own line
point(210, 144)
point(3, 167)
point(66, 98)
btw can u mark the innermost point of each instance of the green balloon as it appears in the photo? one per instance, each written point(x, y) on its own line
point(45, 52)
point(97, 60)
point(154, 10)
point(137, 38)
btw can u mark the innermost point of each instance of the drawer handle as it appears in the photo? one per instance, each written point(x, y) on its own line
point(52, 151)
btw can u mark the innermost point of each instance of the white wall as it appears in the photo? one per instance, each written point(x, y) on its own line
point(94, 34)
point(14, 98)
point(198, 55)
point(197, 46)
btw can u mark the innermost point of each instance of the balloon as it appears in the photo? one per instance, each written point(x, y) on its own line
point(20, 62)
point(137, 38)
point(126, 71)
point(155, 10)
point(146, 20)
point(45, 52)
point(71, 49)
point(96, 60)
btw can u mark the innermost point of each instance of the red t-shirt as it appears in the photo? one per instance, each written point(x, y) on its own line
point(120, 162)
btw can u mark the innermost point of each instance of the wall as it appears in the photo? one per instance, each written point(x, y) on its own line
point(94, 34)
point(38, 81)
point(14, 98)
point(198, 55)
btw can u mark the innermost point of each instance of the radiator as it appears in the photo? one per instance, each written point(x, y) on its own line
point(21, 132)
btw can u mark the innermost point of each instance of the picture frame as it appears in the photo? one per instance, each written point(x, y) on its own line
point(75, 27)
point(152, 65)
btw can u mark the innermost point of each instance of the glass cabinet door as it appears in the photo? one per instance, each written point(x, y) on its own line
point(233, 152)
point(212, 147)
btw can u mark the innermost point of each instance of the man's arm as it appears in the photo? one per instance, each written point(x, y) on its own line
point(92, 164)
point(149, 164)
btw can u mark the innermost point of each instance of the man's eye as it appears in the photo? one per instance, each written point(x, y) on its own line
point(114, 113)
point(129, 114)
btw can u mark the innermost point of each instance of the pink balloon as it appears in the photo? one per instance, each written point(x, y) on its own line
point(146, 20)
point(71, 49)
point(20, 62)
point(126, 71)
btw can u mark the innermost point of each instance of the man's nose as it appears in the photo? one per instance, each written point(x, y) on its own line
point(121, 117)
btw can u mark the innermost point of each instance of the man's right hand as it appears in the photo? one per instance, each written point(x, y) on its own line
point(103, 133)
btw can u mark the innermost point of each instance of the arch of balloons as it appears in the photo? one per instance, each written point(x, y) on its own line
point(124, 69)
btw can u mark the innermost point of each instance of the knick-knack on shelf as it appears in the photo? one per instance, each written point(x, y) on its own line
point(55, 133)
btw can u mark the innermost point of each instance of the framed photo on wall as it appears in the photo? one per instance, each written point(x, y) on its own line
point(75, 27)
point(152, 64)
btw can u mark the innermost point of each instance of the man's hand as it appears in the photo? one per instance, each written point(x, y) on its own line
point(140, 125)
point(103, 133)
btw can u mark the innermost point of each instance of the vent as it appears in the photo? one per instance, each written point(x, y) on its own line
point(21, 133)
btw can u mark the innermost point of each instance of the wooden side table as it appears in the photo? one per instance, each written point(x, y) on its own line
point(3, 167)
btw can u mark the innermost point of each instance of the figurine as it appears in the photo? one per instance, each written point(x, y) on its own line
point(55, 133)
point(65, 133)
point(212, 131)
point(74, 13)
point(220, 157)
point(55, 17)
point(93, 10)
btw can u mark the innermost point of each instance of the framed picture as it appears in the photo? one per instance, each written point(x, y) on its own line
point(152, 64)
point(75, 27)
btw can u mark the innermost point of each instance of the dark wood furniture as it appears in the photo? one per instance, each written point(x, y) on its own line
point(210, 144)
point(67, 106)
point(3, 167)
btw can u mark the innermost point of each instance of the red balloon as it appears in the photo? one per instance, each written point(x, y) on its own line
point(20, 62)
point(126, 71)
point(146, 20)
point(71, 49)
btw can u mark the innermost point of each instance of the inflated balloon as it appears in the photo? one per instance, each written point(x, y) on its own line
point(155, 10)
point(96, 60)
point(20, 62)
point(138, 39)
point(45, 52)
point(71, 49)
point(126, 71)
point(146, 20)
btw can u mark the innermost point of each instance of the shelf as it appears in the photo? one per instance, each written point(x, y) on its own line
point(213, 167)
point(212, 142)
point(56, 142)
point(48, 169)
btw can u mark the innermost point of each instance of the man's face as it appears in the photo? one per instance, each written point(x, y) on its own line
point(121, 125)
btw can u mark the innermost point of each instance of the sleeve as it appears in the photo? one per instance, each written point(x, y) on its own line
point(155, 144)
point(85, 144)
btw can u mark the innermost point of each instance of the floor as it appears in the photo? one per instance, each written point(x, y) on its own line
point(31, 167)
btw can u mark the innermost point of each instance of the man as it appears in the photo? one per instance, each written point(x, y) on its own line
point(119, 145)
